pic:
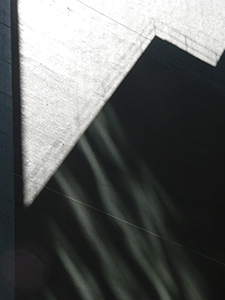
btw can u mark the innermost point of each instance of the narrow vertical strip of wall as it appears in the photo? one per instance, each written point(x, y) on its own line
point(6, 157)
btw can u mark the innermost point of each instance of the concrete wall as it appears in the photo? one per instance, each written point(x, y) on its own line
point(6, 156)
point(135, 211)
point(74, 57)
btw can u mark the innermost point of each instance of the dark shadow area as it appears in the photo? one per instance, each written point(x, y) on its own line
point(146, 177)
point(18, 186)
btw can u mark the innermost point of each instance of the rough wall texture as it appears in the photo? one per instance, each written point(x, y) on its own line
point(6, 156)
point(75, 57)
point(146, 177)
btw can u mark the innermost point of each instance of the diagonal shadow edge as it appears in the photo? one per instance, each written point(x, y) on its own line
point(208, 76)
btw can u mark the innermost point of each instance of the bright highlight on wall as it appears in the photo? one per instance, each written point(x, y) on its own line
point(74, 54)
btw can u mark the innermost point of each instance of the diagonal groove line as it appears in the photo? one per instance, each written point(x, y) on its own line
point(6, 61)
point(2, 23)
point(130, 224)
point(90, 7)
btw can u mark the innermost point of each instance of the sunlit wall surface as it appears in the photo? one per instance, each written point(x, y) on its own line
point(136, 209)
point(132, 207)
point(73, 55)
point(6, 157)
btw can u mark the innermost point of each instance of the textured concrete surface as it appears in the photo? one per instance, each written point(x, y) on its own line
point(68, 71)
point(153, 158)
point(5, 13)
point(136, 210)
point(195, 26)
point(6, 158)
point(74, 57)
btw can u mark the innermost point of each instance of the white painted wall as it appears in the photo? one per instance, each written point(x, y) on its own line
point(74, 54)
